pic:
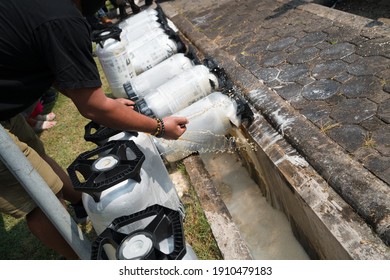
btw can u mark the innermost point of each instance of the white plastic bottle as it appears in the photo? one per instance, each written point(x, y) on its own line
point(149, 35)
point(146, 15)
point(116, 64)
point(148, 29)
point(210, 120)
point(179, 92)
point(139, 85)
point(153, 52)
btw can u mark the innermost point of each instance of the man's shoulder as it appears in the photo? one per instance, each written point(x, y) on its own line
point(32, 13)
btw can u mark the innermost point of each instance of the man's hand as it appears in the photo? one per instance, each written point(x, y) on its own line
point(174, 127)
point(126, 102)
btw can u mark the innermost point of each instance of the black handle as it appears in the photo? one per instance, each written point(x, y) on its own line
point(98, 134)
point(95, 181)
point(111, 32)
point(166, 223)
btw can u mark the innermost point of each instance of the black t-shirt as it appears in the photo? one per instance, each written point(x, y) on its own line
point(42, 43)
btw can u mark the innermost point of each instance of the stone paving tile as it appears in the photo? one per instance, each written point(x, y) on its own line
point(384, 111)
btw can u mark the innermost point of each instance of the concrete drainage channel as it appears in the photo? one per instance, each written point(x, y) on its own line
point(228, 191)
point(321, 225)
point(314, 225)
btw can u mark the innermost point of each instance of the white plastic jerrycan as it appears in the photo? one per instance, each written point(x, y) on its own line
point(114, 58)
point(210, 121)
point(116, 180)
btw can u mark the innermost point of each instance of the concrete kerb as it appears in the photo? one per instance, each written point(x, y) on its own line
point(368, 195)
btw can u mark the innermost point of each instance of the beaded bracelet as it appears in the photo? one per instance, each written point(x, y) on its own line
point(157, 131)
point(162, 133)
point(160, 129)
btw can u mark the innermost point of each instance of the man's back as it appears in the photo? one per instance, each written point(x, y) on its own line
point(37, 45)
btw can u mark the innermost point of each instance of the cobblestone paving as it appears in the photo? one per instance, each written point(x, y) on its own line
point(338, 77)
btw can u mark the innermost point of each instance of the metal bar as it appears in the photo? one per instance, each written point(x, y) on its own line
point(38, 189)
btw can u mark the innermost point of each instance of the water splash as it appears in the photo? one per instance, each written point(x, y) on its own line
point(293, 159)
point(209, 130)
point(216, 105)
point(203, 141)
point(283, 122)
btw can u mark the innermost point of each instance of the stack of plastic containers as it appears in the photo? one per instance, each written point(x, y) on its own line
point(127, 192)
point(144, 40)
point(121, 178)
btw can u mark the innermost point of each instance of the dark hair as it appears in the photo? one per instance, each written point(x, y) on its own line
point(90, 7)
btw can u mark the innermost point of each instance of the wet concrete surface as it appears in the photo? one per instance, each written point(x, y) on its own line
point(319, 76)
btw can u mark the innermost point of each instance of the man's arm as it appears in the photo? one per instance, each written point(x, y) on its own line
point(93, 104)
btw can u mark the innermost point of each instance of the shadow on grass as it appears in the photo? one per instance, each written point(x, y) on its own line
point(17, 242)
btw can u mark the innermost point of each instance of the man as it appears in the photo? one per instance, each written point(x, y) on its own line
point(46, 43)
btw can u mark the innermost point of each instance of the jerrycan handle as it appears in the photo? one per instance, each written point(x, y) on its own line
point(110, 32)
point(166, 223)
point(106, 166)
point(98, 134)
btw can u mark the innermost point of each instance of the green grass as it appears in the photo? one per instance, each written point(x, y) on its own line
point(197, 229)
point(17, 243)
point(64, 143)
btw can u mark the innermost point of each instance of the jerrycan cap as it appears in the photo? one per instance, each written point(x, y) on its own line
point(191, 54)
point(135, 247)
point(243, 108)
point(180, 45)
point(221, 78)
point(105, 163)
point(162, 18)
